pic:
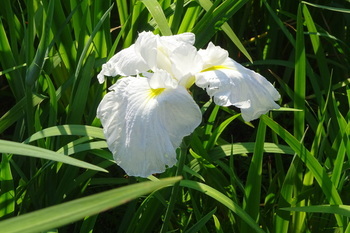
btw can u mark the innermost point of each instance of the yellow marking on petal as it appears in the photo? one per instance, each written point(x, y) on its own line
point(216, 68)
point(155, 92)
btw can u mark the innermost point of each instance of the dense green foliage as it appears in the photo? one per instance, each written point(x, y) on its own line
point(286, 172)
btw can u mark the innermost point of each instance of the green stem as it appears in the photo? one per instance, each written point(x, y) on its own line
point(175, 189)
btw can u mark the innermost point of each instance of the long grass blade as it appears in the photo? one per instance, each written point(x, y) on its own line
point(157, 13)
point(63, 130)
point(251, 203)
point(33, 151)
point(331, 209)
point(63, 214)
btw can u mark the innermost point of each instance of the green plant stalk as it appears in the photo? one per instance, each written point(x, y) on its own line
point(251, 202)
point(299, 103)
point(299, 78)
point(174, 191)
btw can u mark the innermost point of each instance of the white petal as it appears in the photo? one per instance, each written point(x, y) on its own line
point(125, 63)
point(169, 45)
point(185, 64)
point(156, 50)
point(162, 79)
point(146, 47)
point(232, 84)
point(186, 37)
point(213, 55)
point(142, 128)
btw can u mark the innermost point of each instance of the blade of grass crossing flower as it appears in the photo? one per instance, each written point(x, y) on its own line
point(218, 196)
point(33, 151)
point(72, 211)
point(157, 13)
point(199, 224)
point(310, 162)
point(7, 194)
point(251, 201)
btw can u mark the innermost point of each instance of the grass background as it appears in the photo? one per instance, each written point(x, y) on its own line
point(286, 172)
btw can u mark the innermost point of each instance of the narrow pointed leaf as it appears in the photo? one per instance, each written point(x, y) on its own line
point(37, 152)
point(72, 211)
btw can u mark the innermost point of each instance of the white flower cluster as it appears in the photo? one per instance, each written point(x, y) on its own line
point(149, 110)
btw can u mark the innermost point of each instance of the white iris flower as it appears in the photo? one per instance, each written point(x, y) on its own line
point(149, 110)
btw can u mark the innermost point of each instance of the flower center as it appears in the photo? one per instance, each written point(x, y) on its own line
point(155, 92)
